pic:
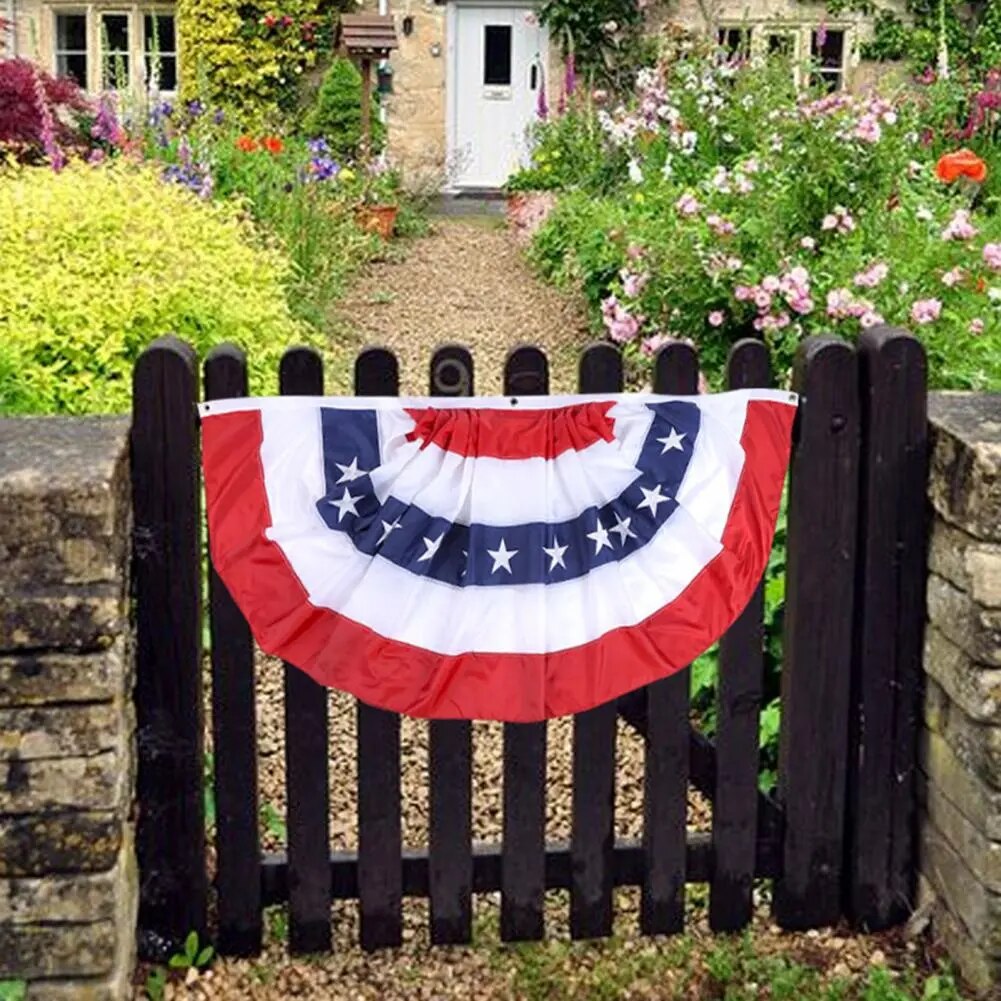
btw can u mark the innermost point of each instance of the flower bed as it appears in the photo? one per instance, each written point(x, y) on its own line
point(718, 202)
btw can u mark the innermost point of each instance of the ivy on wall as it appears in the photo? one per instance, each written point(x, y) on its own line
point(251, 55)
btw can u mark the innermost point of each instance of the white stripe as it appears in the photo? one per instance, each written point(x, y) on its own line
point(270, 404)
point(488, 491)
point(531, 618)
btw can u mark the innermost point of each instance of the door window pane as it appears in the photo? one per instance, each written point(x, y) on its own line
point(735, 41)
point(115, 49)
point(497, 55)
point(160, 41)
point(71, 47)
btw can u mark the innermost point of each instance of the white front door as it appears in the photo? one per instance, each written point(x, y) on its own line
point(498, 59)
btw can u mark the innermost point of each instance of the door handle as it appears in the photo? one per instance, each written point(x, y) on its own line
point(533, 77)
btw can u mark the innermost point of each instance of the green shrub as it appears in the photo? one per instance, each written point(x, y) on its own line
point(95, 262)
point(336, 116)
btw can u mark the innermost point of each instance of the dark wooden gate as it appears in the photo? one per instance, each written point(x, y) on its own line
point(835, 839)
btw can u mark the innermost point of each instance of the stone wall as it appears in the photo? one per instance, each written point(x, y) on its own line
point(961, 742)
point(67, 866)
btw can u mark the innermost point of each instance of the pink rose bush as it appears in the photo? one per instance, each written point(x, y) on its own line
point(719, 202)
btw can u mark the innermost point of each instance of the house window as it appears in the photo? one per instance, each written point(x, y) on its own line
point(71, 46)
point(734, 41)
point(781, 44)
point(827, 49)
point(160, 45)
point(497, 55)
point(115, 50)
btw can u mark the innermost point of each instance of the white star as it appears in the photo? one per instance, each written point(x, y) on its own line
point(556, 554)
point(432, 547)
point(600, 536)
point(672, 441)
point(387, 529)
point(346, 505)
point(351, 472)
point(652, 499)
point(622, 527)
point(502, 557)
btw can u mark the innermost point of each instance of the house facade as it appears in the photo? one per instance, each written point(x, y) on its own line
point(468, 78)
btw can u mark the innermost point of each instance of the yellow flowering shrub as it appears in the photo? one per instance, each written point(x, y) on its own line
point(96, 262)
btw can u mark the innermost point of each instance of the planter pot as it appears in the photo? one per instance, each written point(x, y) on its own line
point(527, 211)
point(378, 219)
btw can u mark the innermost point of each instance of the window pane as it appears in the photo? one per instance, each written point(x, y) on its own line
point(73, 64)
point(497, 55)
point(71, 32)
point(780, 45)
point(736, 41)
point(831, 53)
point(115, 28)
point(159, 33)
point(167, 66)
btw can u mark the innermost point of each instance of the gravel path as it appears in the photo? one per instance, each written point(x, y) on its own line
point(466, 283)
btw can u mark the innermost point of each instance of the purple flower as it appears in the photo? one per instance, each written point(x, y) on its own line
point(570, 80)
point(218, 116)
point(318, 146)
point(542, 105)
point(106, 126)
point(323, 168)
point(195, 108)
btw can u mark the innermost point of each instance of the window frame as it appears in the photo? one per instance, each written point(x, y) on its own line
point(160, 10)
point(840, 73)
point(70, 10)
point(746, 30)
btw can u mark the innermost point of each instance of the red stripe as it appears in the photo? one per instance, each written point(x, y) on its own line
point(342, 654)
point(514, 434)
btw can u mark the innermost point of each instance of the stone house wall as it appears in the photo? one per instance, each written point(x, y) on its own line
point(67, 866)
point(960, 872)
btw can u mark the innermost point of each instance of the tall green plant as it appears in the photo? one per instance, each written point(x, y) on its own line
point(336, 116)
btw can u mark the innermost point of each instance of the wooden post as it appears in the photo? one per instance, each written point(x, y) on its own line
point(366, 108)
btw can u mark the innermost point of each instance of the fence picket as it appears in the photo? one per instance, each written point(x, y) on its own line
point(738, 704)
point(234, 727)
point(380, 840)
point(888, 627)
point(306, 750)
point(451, 752)
point(523, 862)
point(593, 817)
point(166, 575)
point(665, 782)
point(823, 500)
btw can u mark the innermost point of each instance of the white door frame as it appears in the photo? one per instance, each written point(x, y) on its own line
point(452, 70)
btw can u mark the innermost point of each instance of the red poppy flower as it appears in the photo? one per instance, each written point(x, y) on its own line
point(273, 144)
point(246, 144)
point(962, 163)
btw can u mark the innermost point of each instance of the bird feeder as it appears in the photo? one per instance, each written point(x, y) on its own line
point(366, 38)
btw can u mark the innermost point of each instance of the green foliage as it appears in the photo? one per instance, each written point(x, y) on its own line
point(336, 114)
point(273, 823)
point(193, 956)
point(95, 262)
point(13, 990)
point(156, 983)
point(208, 784)
point(251, 57)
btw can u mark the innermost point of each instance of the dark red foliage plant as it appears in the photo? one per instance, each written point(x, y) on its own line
point(40, 114)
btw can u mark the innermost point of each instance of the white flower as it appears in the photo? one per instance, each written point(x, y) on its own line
point(635, 173)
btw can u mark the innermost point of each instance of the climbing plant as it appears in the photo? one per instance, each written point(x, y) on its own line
point(605, 37)
point(251, 55)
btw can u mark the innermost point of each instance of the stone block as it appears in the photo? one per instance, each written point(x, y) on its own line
point(57, 950)
point(114, 988)
point(974, 798)
point(64, 500)
point(61, 731)
point(977, 631)
point(967, 563)
point(965, 484)
point(29, 679)
point(958, 888)
point(981, 855)
point(74, 841)
point(976, 745)
point(96, 782)
point(79, 897)
point(975, 688)
point(69, 618)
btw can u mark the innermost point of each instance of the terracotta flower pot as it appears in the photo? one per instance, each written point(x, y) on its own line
point(527, 211)
point(379, 219)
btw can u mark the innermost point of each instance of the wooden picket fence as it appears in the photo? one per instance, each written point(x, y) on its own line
point(836, 839)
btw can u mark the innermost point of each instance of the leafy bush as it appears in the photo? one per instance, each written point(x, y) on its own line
point(39, 113)
point(336, 115)
point(97, 261)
